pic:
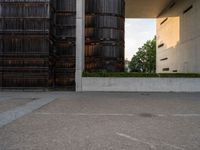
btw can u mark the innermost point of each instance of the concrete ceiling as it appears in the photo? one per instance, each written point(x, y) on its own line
point(145, 8)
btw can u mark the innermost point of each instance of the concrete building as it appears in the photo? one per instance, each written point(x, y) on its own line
point(178, 37)
point(79, 34)
point(88, 35)
point(178, 30)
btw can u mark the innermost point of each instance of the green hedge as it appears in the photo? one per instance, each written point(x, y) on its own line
point(142, 75)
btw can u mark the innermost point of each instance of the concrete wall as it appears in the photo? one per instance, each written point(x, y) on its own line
point(180, 34)
point(80, 42)
point(141, 84)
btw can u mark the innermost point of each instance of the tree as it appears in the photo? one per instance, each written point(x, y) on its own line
point(145, 58)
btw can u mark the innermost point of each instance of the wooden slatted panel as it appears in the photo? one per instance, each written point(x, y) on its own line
point(104, 35)
point(63, 27)
point(24, 37)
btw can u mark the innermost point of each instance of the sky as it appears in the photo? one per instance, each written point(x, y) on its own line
point(137, 32)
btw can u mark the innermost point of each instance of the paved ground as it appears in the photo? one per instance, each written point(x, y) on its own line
point(105, 121)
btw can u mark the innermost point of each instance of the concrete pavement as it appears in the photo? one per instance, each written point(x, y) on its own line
point(107, 121)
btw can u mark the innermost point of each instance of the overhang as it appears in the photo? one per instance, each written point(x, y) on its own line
point(145, 8)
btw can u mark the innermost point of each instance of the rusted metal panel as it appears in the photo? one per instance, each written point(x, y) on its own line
point(63, 27)
point(104, 35)
point(37, 41)
point(24, 40)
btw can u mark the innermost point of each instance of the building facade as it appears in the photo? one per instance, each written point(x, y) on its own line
point(38, 41)
point(49, 43)
point(104, 35)
point(178, 38)
point(24, 43)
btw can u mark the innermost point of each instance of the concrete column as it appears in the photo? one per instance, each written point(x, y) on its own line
point(80, 42)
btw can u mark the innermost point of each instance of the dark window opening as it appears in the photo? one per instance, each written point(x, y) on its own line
point(164, 59)
point(188, 9)
point(165, 69)
point(175, 70)
point(172, 5)
point(161, 45)
point(164, 21)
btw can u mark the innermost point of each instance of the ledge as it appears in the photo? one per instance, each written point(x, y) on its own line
point(130, 84)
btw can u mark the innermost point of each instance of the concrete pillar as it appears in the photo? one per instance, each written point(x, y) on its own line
point(80, 42)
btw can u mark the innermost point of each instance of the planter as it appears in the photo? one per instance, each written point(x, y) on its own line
point(141, 84)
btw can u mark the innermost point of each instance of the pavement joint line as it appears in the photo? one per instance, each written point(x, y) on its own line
point(136, 140)
point(173, 146)
point(186, 115)
point(14, 114)
point(128, 115)
point(151, 145)
point(84, 114)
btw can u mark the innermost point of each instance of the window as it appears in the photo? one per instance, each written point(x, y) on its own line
point(188, 9)
point(163, 59)
point(164, 21)
point(165, 69)
point(160, 45)
point(172, 5)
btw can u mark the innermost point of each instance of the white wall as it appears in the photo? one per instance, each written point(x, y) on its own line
point(181, 37)
point(141, 84)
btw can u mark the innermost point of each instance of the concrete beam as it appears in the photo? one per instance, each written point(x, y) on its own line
point(145, 8)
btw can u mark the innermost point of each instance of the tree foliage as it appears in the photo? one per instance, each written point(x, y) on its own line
point(145, 58)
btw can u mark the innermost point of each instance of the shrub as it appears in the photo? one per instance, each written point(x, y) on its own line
point(142, 75)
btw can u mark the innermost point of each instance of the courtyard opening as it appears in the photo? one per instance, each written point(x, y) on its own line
point(140, 45)
point(176, 50)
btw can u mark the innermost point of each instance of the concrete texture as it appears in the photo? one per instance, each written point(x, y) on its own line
point(12, 109)
point(180, 34)
point(12, 103)
point(141, 84)
point(145, 8)
point(80, 42)
point(109, 121)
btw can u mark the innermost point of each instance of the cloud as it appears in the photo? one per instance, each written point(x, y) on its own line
point(137, 32)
